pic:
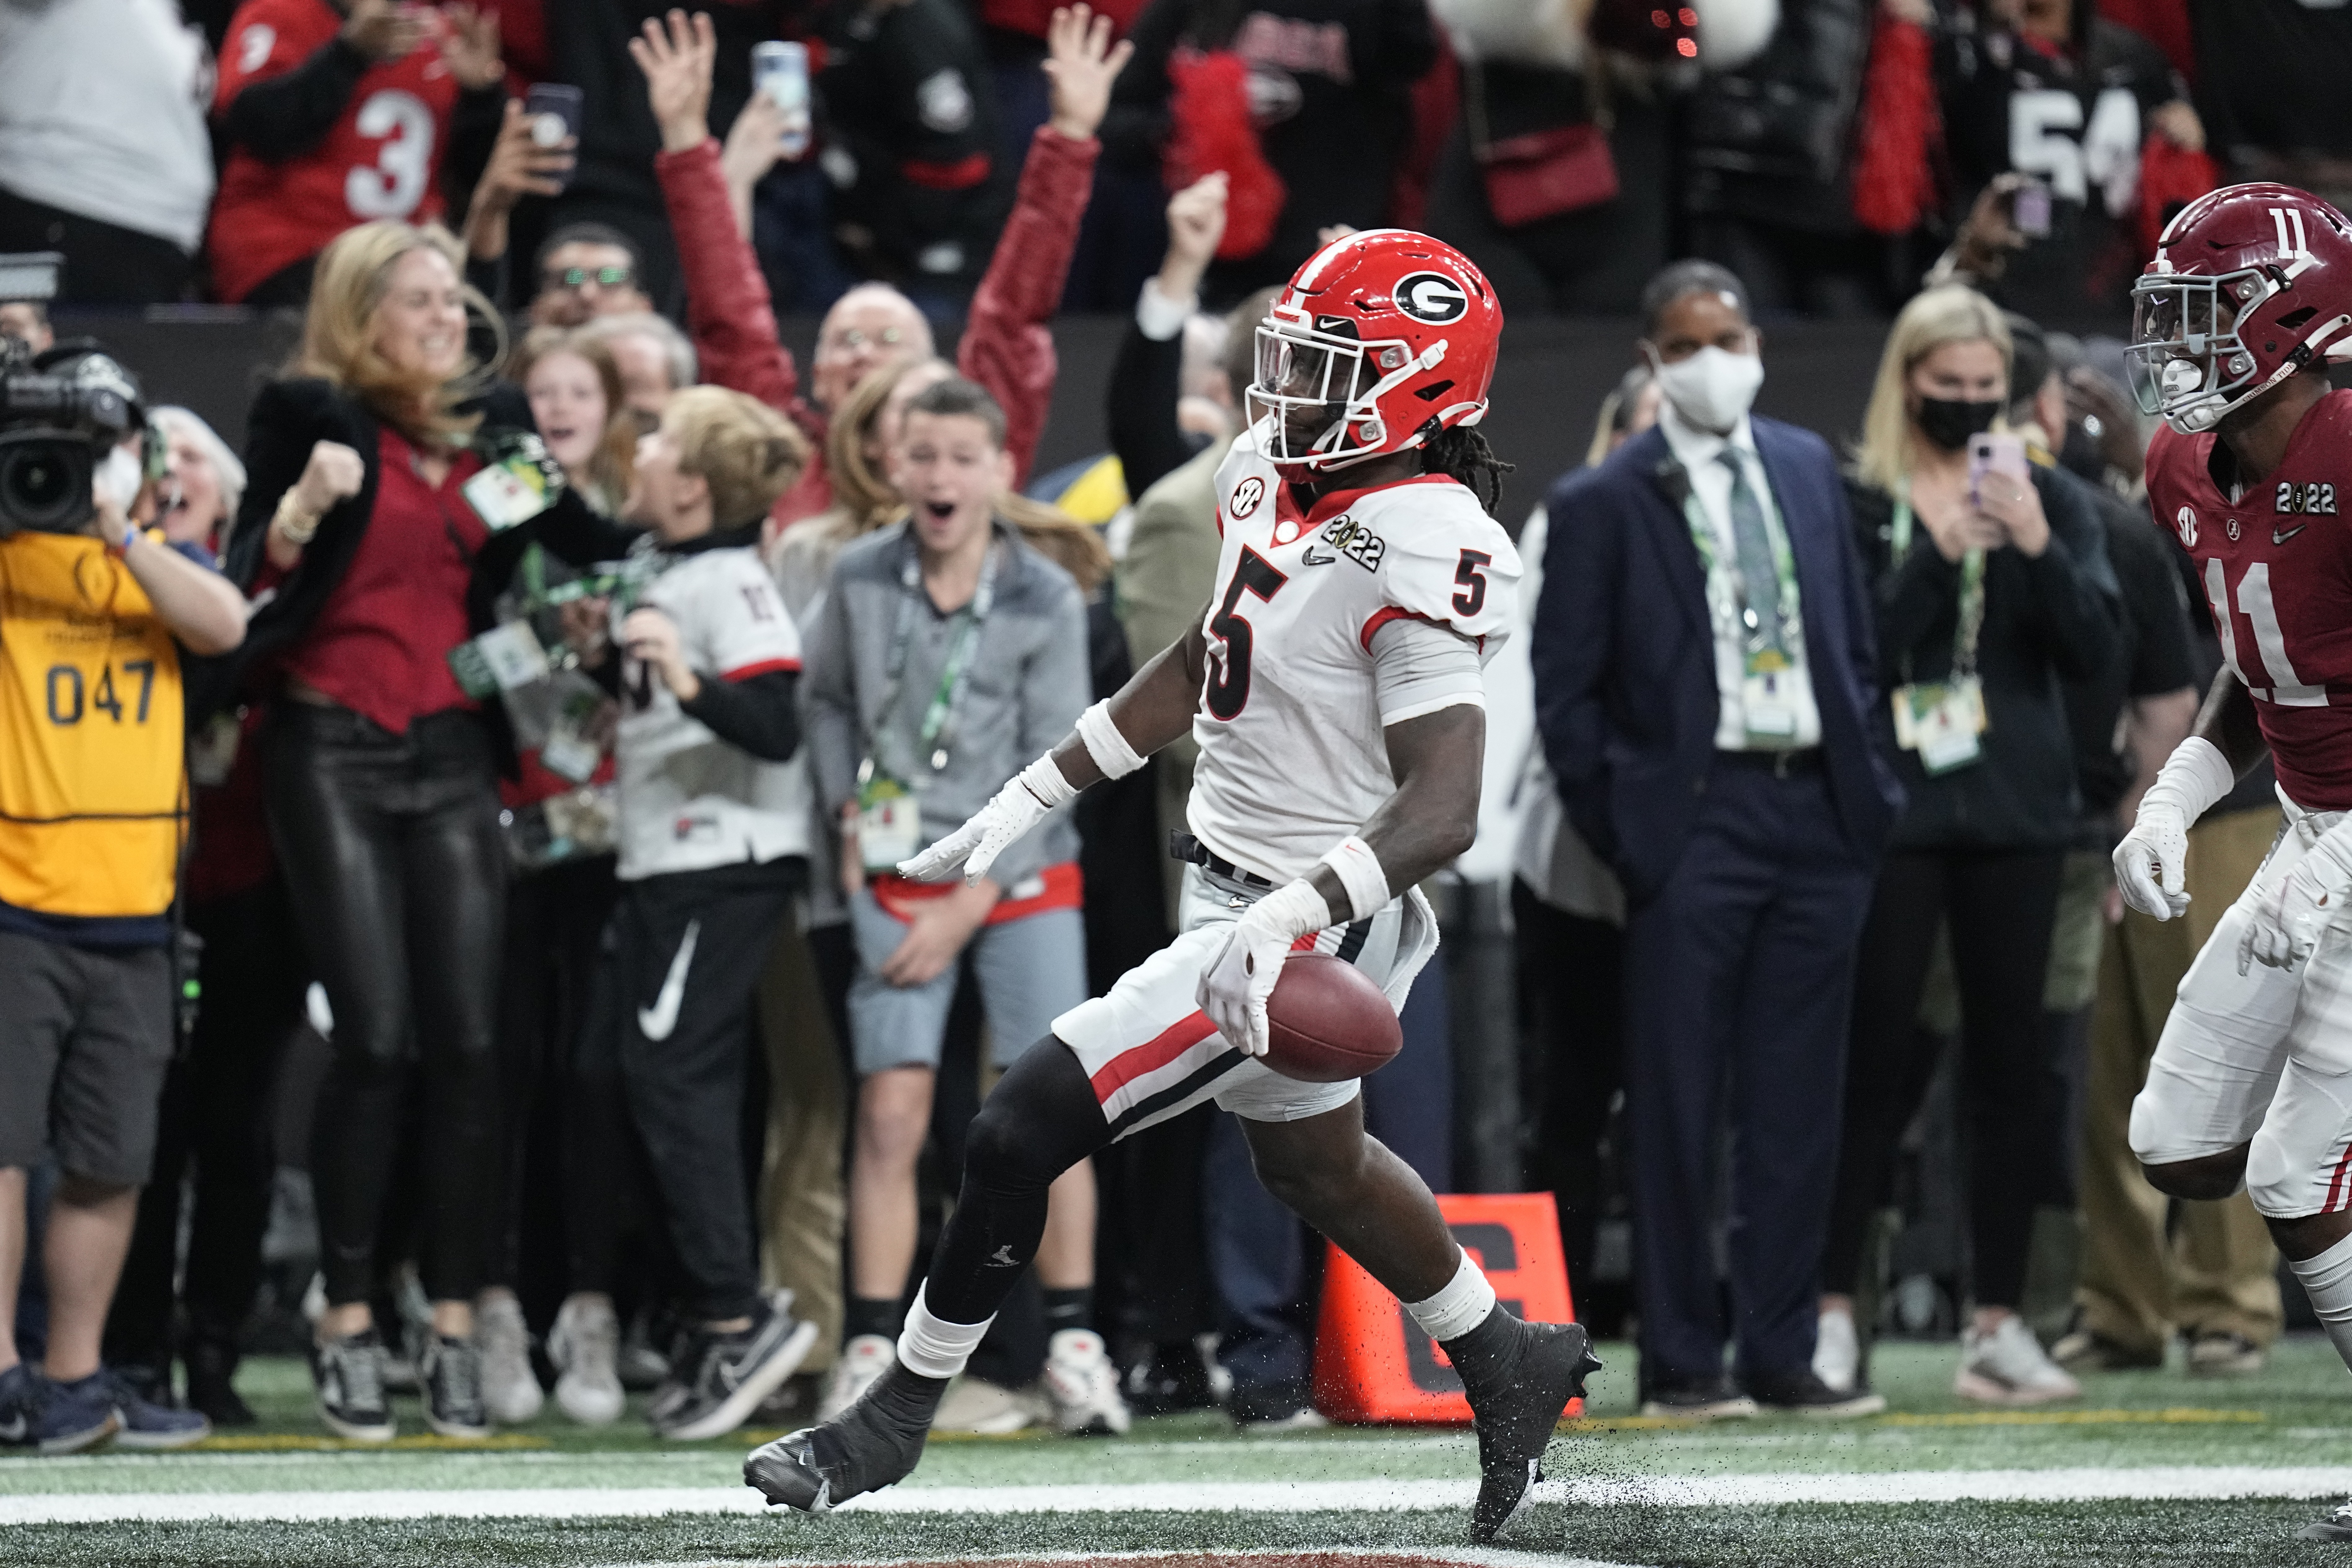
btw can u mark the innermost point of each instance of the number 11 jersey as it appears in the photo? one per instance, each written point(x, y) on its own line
point(2275, 563)
point(1292, 757)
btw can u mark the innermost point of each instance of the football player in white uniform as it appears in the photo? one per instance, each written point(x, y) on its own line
point(1334, 687)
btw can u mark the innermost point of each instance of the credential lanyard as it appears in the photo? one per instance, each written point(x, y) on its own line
point(1755, 636)
point(1972, 593)
point(935, 734)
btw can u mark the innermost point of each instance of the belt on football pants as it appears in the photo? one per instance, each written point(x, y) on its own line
point(1182, 845)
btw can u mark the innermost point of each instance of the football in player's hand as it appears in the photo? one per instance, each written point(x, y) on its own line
point(1326, 1022)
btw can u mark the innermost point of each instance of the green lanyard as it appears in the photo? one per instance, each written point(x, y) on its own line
point(1972, 594)
point(1756, 637)
point(932, 735)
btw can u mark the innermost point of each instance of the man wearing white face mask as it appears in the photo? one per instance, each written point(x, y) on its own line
point(1704, 681)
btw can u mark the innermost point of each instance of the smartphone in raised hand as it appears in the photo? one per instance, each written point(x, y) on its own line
point(554, 112)
point(781, 69)
point(1995, 452)
point(2029, 209)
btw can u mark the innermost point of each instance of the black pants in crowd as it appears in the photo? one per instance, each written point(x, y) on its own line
point(1571, 1001)
point(213, 1112)
point(105, 264)
point(555, 930)
point(675, 1011)
point(392, 853)
point(2000, 905)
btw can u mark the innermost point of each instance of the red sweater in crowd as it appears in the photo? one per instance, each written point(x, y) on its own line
point(1006, 346)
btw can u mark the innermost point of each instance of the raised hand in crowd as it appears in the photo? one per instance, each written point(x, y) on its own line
point(677, 60)
point(1196, 222)
point(384, 29)
point(469, 46)
point(755, 144)
point(1989, 236)
point(334, 473)
point(586, 624)
point(2014, 505)
point(651, 638)
point(520, 165)
point(1940, 500)
point(1081, 62)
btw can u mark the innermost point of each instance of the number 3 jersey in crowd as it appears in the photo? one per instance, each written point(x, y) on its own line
point(2275, 563)
point(1292, 759)
point(379, 157)
point(92, 794)
point(689, 801)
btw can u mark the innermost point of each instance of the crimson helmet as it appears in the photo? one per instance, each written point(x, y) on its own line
point(2250, 284)
point(1381, 341)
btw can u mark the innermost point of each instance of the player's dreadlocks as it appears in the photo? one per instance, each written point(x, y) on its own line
point(1462, 454)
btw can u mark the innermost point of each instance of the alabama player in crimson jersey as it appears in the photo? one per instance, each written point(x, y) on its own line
point(1333, 684)
point(334, 115)
point(2249, 296)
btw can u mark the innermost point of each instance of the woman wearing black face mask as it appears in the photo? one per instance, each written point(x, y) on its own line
point(1990, 585)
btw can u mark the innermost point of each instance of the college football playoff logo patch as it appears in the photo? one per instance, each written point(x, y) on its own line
point(1432, 297)
point(1246, 495)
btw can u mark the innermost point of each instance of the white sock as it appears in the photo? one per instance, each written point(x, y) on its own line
point(932, 1346)
point(2327, 1281)
point(1457, 1309)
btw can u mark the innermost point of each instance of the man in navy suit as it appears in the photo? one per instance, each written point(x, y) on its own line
point(1703, 658)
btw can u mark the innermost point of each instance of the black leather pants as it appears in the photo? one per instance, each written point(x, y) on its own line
point(392, 854)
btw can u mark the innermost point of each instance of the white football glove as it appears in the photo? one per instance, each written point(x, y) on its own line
point(1016, 808)
point(1235, 983)
point(2288, 923)
point(2152, 861)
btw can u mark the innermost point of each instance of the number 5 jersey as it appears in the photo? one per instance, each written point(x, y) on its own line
point(1292, 758)
point(2274, 560)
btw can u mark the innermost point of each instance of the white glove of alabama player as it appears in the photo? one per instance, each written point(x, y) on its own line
point(1236, 983)
point(2288, 925)
point(1017, 807)
point(2152, 861)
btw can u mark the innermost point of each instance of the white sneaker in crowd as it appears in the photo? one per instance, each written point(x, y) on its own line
point(583, 1345)
point(2008, 1366)
point(864, 1358)
point(985, 1409)
point(1083, 1384)
point(511, 1390)
point(1837, 1352)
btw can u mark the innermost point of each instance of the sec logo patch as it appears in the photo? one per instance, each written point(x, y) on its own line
point(1432, 297)
point(1246, 495)
point(2185, 521)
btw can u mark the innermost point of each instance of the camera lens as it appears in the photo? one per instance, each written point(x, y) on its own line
point(44, 481)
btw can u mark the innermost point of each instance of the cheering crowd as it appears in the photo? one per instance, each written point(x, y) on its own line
point(563, 687)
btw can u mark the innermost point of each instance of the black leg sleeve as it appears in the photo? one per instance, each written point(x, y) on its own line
point(1042, 1119)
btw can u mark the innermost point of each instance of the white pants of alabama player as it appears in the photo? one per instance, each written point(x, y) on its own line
point(1153, 1054)
point(2263, 1056)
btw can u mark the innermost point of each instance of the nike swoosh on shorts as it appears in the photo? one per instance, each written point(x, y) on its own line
point(656, 1021)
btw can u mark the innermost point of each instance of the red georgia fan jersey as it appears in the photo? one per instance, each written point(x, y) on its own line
point(2276, 564)
point(380, 159)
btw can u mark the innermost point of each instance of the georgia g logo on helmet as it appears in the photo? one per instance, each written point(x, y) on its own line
point(1432, 297)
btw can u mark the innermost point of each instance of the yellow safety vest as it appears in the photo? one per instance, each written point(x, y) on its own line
point(94, 793)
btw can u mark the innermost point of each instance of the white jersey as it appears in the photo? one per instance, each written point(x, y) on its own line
point(1292, 759)
point(688, 800)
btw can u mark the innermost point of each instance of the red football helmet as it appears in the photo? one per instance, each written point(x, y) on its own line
point(1381, 340)
point(2250, 284)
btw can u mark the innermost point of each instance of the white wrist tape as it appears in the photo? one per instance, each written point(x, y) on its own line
point(1044, 780)
point(1359, 870)
point(2193, 779)
point(1104, 744)
point(1291, 910)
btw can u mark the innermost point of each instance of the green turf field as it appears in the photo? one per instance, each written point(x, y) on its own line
point(2148, 1469)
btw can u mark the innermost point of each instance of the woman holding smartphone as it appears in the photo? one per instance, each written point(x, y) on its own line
point(1992, 587)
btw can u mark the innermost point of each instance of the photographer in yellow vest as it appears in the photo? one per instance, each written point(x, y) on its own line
point(93, 802)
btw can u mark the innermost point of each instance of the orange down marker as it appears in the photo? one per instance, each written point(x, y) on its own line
point(1373, 1364)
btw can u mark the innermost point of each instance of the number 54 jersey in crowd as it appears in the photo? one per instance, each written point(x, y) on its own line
point(380, 157)
point(2275, 562)
point(1292, 759)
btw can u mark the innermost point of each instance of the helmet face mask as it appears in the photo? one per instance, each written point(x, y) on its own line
point(1323, 389)
point(2186, 360)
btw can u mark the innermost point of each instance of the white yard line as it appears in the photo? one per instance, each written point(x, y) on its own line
point(2083, 1485)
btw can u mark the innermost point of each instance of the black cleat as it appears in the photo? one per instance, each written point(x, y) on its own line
point(1518, 1391)
point(2335, 1528)
point(875, 1443)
